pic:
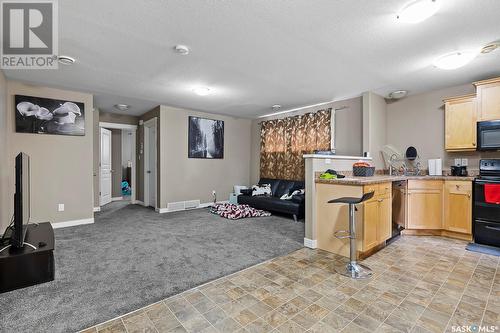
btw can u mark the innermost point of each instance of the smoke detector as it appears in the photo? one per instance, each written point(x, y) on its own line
point(398, 94)
point(490, 47)
point(181, 49)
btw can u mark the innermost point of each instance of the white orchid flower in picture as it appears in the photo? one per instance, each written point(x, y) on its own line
point(49, 116)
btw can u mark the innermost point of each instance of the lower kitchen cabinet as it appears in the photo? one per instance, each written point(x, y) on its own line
point(425, 204)
point(458, 206)
point(377, 216)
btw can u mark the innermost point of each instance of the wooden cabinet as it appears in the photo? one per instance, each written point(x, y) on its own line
point(425, 204)
point(488, 99)
point(377, 223)
point(458, 206)
point(460, 123)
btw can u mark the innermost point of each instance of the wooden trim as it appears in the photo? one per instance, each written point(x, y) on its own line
point(117, 126)
point(459, 98)
point(439, 232)
point(488, 81)
point(363, 255)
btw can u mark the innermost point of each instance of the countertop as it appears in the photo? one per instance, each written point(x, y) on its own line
point(376, 179)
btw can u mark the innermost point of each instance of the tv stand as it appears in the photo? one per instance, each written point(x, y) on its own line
point(29, 265)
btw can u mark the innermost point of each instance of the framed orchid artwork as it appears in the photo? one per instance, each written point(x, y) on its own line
point(49, 116)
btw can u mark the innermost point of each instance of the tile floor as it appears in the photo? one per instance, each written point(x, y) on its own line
point(420, 284)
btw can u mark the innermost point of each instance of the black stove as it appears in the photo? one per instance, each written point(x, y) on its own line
point(486, 214)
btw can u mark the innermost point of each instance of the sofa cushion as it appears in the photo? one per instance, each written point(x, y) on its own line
point(273, 182)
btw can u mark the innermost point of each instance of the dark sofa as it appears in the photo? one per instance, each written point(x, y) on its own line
point(273, 203)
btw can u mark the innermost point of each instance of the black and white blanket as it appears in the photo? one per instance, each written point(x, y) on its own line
point(235, 212)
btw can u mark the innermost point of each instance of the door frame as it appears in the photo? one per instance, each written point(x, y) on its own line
point(132, 128)
point(100, 166)
point(147, 125)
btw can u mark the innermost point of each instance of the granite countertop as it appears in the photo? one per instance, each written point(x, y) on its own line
point(376, 179)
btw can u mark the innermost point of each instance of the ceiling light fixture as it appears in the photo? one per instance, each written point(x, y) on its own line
point(202, 91)
point(66, 60)
point(276, 107)
point(490, 47)
point(122, 107)
point(397, 94)
point(182, 49)
point(418, 11)
point(455, 59)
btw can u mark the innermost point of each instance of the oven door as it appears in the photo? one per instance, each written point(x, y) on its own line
point(487, 233)
point(482, 210)
point(488, 135)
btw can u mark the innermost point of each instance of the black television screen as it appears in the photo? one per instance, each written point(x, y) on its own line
point(21, 200)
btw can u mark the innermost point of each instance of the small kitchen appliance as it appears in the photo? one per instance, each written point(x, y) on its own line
point(459, 170)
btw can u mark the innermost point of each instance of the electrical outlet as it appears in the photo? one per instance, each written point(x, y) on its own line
point(458, 161)
point(60, 208)
point(328, 161)
point(214, 193)
point(465, 162)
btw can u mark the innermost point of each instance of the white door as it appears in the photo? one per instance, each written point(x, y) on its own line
point(105, 169)
point(150, 158)
point(152, 166)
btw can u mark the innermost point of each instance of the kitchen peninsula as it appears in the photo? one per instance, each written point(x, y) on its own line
point(433, 205)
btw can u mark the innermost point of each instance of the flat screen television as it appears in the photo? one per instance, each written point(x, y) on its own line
point(21, 201)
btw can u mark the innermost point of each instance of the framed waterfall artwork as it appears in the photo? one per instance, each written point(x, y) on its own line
point(205, 138)
point(49, 116)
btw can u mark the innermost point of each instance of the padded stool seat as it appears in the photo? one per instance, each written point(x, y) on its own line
point(352, 269)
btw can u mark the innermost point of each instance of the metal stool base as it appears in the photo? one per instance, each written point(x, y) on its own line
point(354, 271)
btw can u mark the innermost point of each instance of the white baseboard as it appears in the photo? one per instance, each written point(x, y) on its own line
point(97, 209)
point(310, 243)
point(116, 198)
point(72, 223)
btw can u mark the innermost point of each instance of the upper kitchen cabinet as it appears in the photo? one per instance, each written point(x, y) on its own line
point(488, 99)
point(460, 123)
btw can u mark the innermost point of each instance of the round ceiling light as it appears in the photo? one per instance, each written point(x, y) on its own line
point(398, 94)
point(276, 107)
point(122, 107)
point(202, 91)
point(182, 49)
point(66, 60)
point(418, 11)
point(490, 47)
point(455, 59)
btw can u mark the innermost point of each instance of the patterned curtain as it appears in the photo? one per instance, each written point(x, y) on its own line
point(284, 141)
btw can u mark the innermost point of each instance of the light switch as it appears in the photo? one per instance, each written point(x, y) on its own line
point(328, 161)
point(60, 208)
point(458, 161)
point(465, 162)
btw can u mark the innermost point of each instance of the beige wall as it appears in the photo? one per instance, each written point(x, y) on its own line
point(108, 117)
point(419, 121)
point(348, 130)
point(5, 199)
point(61, 166)
point(374, 126)
point(190, 178)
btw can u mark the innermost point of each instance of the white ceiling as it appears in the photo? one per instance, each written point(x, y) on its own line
point(257, 53)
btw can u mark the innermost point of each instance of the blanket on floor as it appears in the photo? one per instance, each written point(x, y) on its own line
point(235, 212)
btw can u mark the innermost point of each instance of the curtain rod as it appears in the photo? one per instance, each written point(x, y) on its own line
point(305, 107)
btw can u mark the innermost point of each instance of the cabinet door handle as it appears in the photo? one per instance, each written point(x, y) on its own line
point(380, 200)
point(473, 144)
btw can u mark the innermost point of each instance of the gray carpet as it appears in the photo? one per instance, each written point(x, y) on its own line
point(133, 256)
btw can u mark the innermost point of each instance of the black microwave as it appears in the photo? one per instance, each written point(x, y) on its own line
point(488, 135)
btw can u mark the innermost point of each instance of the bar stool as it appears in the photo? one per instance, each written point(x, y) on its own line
point(352, 269)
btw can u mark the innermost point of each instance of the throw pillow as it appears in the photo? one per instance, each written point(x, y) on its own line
point(290, 195)
point(264, 189)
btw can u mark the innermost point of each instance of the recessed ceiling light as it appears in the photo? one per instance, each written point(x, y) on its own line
point(122, 107)
point(455, 59)
point(182, 49)
point(418, 11)
point(66, 60)
point(202, 91)
point(398, 94)
point(490, 47)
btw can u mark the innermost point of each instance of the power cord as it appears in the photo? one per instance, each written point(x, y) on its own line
point(3, 239)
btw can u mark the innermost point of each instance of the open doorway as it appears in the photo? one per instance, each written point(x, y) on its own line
point(150, 164)
point(117, 163)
